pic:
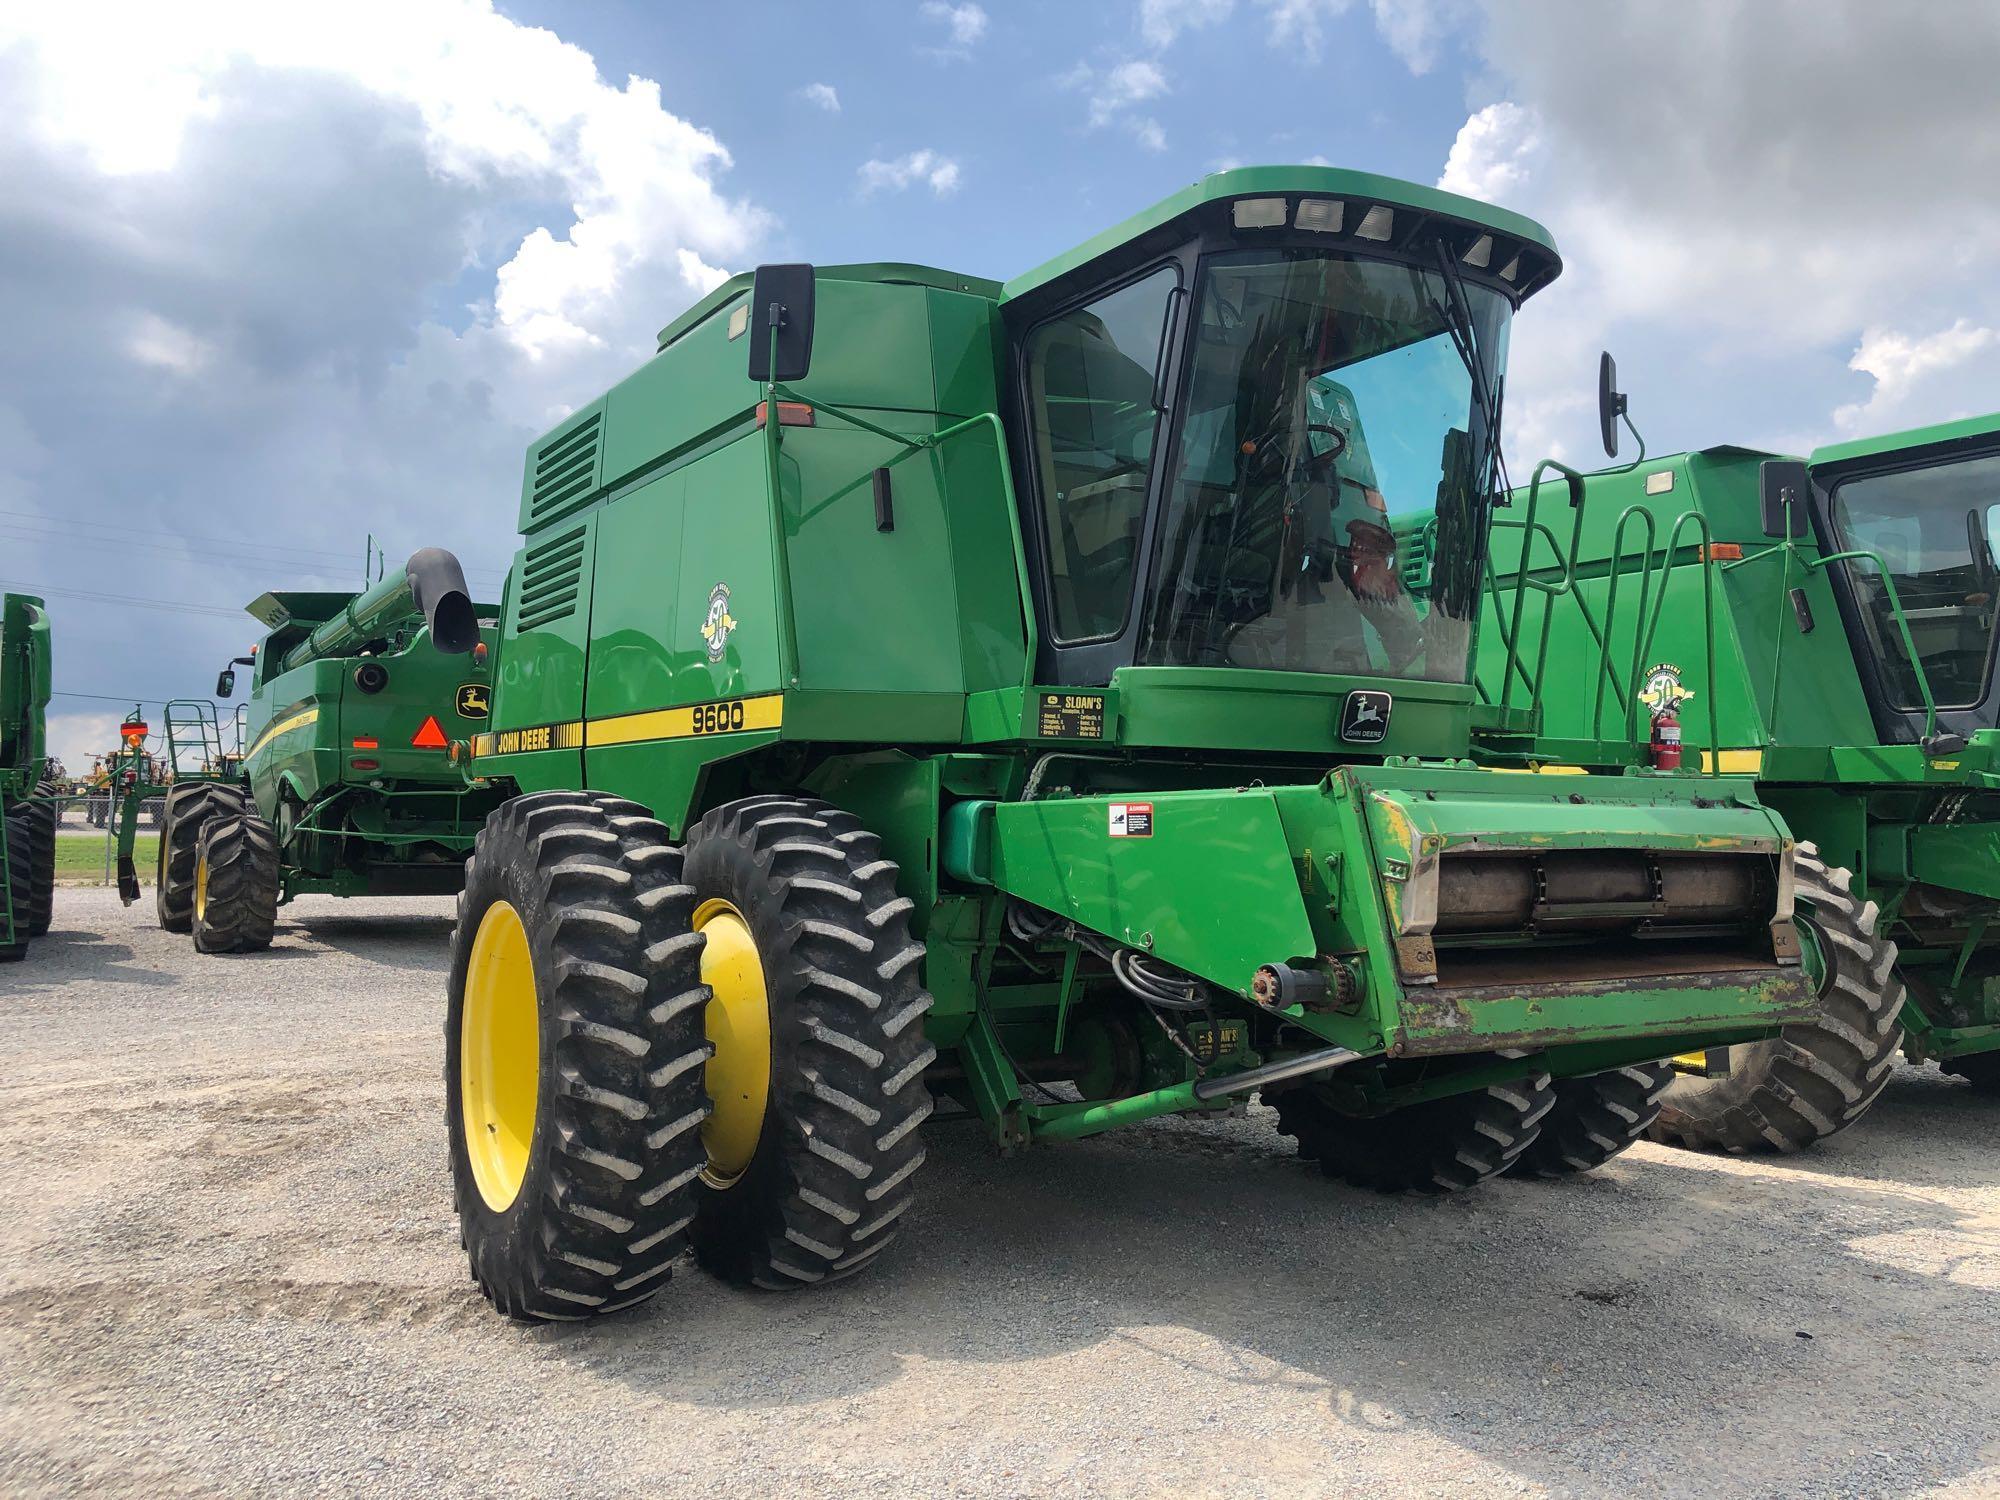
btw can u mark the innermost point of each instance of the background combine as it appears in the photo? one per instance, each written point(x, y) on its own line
point(1008, 696)
point(28, 797)
point(1827, 627)
point(345, 786)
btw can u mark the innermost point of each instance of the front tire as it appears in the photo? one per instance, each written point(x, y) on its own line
point(573, 1057)
point(1439, 1146)
point(1594, 1119)
point(20, 876)
point(188, 809)
point(812, 1156)
point(236, 884)
point(1817, 1076)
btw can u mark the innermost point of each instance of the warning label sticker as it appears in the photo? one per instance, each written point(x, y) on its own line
point(1131, 820)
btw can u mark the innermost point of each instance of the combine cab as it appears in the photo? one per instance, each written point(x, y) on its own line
point(1010, 699)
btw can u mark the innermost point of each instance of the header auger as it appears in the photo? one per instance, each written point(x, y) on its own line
point(914, 691)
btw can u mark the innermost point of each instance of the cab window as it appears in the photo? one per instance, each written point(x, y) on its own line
point(1090, 394)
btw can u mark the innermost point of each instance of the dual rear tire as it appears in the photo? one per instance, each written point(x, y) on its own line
point(650, 1047)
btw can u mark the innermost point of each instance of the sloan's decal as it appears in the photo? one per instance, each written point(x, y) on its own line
point(716, 627)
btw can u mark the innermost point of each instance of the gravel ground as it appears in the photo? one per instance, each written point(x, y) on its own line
point(228, 1264)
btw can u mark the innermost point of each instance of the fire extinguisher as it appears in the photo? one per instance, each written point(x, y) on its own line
point(1666, 746)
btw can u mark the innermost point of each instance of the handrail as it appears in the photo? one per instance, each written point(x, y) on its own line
point(1895, 610)
point(1604, 669)
point(1640, 649)
point(1030, 627)
point(1523, 579)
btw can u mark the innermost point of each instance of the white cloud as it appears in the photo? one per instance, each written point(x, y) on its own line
point(1493, 154)
point(1764, 195)
point(166, 346)
point(1299, 26)
point(1115, 93)
point(497, 101)
point(1160, 21)
point(74, 737)
point(965, 25)
point(929, 167)
point(823, 95)
point(1902, 366)
point(1414, 29)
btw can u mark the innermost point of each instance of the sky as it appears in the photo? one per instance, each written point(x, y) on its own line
point(277, 277)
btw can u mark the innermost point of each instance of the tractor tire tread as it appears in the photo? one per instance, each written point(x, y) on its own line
point(835, 1169)
point(609, 1192)
point(1817, 1076)
point(244, 881)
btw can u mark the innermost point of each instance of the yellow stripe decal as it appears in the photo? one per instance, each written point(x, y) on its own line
point(296, 721)
point(1735, 762)
point(729, 716)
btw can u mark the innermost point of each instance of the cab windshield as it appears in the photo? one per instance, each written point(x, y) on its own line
point(1937, 532)
point(1328, 397)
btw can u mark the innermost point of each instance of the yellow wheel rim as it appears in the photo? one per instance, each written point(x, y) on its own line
point(200, 888)
point(499, 1056)
point(739, 1025)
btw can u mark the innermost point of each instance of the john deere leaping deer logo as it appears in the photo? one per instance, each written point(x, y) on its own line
point(1664, 691)
point(717, 627)
point(473, 701)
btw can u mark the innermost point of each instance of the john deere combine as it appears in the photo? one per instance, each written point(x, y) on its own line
point(912, 687)
point(345, 786)
point(1851, 670)
point(28, 802)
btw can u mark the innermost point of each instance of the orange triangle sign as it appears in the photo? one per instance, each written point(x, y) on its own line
point(431, 736)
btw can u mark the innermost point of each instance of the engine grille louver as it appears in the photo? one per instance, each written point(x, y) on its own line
point(551, 579)
point(566, 470)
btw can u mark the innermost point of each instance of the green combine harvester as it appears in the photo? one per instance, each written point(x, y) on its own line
point(1828, 627)
point(29, 804)
point(913, 688)
point(346, 786)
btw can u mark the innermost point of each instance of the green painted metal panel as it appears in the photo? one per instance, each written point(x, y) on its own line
point(1282, 712)
point(1211, 889)
point(1894, 443)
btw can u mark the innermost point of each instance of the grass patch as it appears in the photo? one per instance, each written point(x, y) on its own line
point(81, 861)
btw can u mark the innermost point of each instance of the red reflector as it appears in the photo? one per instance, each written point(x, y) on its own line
point(362, 763)
point(1722, 552)
point(790, 414)
point(430, 737)
point(367, 743)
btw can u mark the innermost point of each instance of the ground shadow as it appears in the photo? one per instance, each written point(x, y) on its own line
point(1463, 1318)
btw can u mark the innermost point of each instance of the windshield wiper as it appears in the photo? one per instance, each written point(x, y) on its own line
point(1457, 315)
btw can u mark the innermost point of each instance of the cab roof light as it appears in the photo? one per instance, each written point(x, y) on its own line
point(1258, 213)
point(1480, 256)
point(1321, 215)
point(1511, 270)
point(1377, 224)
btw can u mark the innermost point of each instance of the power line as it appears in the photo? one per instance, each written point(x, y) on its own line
point(243, 560)
point(239, 546)
point(179, 608)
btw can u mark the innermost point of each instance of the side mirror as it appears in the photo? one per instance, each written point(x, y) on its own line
point(781, 297)
point(1783, 485)
point(1610, 403)
point(225, 683)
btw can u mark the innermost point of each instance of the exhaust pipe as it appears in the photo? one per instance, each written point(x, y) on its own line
point(437, 589)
